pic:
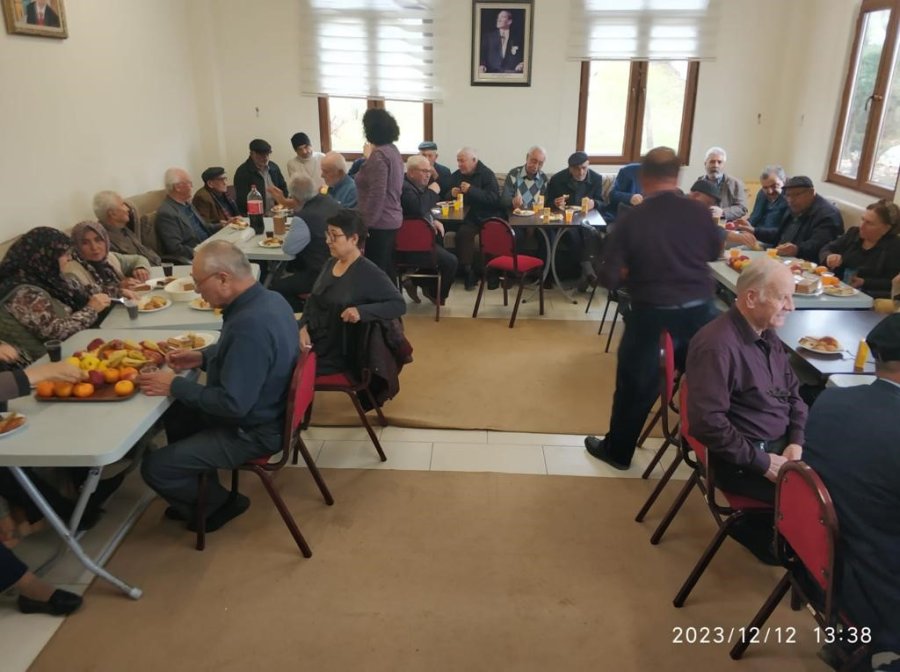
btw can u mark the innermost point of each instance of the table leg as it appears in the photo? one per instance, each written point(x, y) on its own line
point(68, 535)
point(552, 263)
point(275, 271)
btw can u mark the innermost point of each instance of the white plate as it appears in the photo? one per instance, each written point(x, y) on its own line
point(819, 351)
point(842, 290)
point(270, 246)
point(523, 213)
point(243, 224)
point(153, 310)
point(17, 429)
point(209, 337)
point(197, 305)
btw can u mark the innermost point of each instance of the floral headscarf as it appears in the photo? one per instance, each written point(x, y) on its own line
point(102, 272)
point(34, 260)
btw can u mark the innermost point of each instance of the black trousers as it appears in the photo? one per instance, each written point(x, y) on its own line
point(11, 568)
point(380, 250)
point(291, 286)
point(637, 370)
point(446, 265)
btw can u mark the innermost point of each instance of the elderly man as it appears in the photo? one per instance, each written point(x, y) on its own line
point(40, 13)
point(810, 223)
point(439, 172)
point(212, 200)
point(501, 49)
point(258, 171)
point(478, 184)
point(305, 240)
point(178, 224)
point(524, 183)
point(733, 199)
point(625, 192)
point(670, 288)
point(118, 219)
point(417, 199)
point(744, 403)
point(341, 186)
point(852, 439)
point(307, 162)
point(770, 204)
point(238, 414)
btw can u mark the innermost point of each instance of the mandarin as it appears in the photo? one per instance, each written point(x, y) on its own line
point(128, 373)
point(124, 388)
point(111, 376)
point(44, 388)
point(62, 389)
point(83, 390)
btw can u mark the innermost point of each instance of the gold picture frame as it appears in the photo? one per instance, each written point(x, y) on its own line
point(36, 18)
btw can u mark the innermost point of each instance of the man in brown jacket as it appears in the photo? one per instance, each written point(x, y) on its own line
point(212, 200)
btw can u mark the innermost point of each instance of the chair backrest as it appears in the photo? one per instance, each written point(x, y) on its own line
point(415, 235)
point(498, 239)
point(805, 520)
point(148, 232)
point(689, 441)
point(303, 387)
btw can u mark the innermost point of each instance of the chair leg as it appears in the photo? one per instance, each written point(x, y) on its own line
point(313, 470)
point(796, 599)
point(656, 458)
point(365, 421)
point(478, 298)
point(381, 419)
point(605, 310)
point(283, 510)
point(646, 433)
point(612, 328)
point(200, 513)
point(660, 530)
point(762, 616)
point(541, 291)
point(591, 299)
point(437, 301)
point(705, 559)
point(505, 290)
point(512, 320)
point(663, 482)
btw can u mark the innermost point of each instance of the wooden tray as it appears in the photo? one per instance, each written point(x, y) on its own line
point(105, 393)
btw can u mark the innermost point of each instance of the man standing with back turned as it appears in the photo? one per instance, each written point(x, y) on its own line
point(659, 252)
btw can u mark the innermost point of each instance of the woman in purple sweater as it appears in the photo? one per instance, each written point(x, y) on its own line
point(378, 185)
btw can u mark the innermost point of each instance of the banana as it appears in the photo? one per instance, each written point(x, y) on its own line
point(151, 345)
point(131, 345)
point(136, 354)
point(133, 361)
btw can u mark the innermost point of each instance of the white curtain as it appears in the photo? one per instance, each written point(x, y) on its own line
point(382, 49)
point(661, 30)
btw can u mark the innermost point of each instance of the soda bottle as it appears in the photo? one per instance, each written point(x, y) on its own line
point(255, 209)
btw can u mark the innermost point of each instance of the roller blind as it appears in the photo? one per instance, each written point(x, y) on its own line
point(381, 49)
point(622, 30)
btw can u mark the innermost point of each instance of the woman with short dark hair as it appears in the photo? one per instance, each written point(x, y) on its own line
point(378, 185)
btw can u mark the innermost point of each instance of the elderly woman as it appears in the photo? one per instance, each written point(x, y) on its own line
point(37, 302)
point(869, 254)
point(378, 186)
point(350, 289)
point(95, 265)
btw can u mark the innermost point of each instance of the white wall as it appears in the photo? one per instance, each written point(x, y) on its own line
point(111, 107)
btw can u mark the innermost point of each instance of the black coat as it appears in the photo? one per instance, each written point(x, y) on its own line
point(483, 196)
point(817, 226)
point(247, 175)
point(877, 266)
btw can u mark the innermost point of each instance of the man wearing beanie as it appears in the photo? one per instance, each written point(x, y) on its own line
point(853, 442)
point(307, 162)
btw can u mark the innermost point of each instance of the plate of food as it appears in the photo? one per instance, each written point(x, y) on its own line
point(519, 212)
point(200, 304)
point(239, 224)
point(841, 290)
point(11, 423)
point(555, 218)
point(193, 340)
point(274, 241)
point(153, 303)
point(826, 345)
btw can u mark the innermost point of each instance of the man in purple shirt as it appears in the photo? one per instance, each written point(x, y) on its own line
point(659, 250)
point(744, 404)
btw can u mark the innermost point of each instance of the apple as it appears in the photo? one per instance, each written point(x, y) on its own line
point(96, 378)
point(96, 343)
point(729, 226)
point(153, 356)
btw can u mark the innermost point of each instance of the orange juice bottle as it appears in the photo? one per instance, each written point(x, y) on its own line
point(862, 354)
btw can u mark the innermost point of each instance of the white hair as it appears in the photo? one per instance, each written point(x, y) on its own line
point(335, 160)
point(775, 170)
point(536, 148)
point(302, 188)
point(469, 151)
point(173, 176)
point(715, 150)
point(103, 202)
point(220, 256)
point(417, 161)
point(759, 274)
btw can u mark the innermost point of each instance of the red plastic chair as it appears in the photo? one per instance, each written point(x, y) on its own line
point(668, 382)
point(300, 399)
point(417, 236)
point(498, 244)
point(726, 516)
point(807, 539)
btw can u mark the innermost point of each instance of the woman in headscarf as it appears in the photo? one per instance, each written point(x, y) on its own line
point(93, 265)
point(37, 302)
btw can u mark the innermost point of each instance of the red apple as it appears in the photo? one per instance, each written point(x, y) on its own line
point(96, 378)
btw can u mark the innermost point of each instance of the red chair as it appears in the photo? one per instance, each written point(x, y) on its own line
point(417, 237)
point(726, 516)
point(299, 400)
point(668, 382)
point(498, 244)
point(807, 537)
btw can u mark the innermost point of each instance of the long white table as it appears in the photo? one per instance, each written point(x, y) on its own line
point(247, 241)
point(80, 434)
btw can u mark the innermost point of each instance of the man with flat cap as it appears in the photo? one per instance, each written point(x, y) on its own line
point(810, 223)
point(212, 200)
point(853, 442)
point(439, 173)
point(259, 171)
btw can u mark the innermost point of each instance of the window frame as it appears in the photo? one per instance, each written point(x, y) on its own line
point(861, 182)
point(634, 114)
point(371, 103)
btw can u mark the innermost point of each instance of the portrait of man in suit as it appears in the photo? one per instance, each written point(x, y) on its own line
point(38, 18)
point(501, 47)
point(501, 40)
point(40, 13)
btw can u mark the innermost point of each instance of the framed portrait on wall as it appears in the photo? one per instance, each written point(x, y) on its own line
point(39, 18)
point(501, 42)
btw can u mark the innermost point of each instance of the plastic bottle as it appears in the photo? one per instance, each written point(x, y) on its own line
point(862, 355)
point(255, 209)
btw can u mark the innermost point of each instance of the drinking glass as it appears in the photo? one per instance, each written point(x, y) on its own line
point(54, 349)
point(132, 306)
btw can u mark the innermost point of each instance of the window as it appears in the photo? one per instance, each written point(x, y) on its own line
point(628, 107)
point(340, 123)
point(866, 151)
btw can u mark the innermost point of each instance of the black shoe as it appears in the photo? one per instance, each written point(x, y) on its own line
point(597, 448)
point(493, 281)
point(412, 290)
point(61, 603)
point(835, 656)
point(229, 510)
point(174, 514)
point(470, 280)
point(755, 533)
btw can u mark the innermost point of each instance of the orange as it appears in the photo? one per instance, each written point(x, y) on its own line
point(821, 269)
point(124, 388)
point(62, 389)
point(111, 376)
point(830, 281)
point(128, 373)
point(45, 388)
point(82, 390)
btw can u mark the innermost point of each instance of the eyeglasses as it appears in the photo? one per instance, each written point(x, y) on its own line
point(334, 236)
point(199, 282)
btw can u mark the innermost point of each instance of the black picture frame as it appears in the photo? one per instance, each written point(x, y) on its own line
point(491, 65)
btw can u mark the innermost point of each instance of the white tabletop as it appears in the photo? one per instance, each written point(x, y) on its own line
point(85, 434)
point(849, 379)
point(727, 277)
point(249, 243)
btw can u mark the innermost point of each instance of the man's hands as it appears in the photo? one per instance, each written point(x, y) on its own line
point(98, 302)
point(305, 340)
point(716, 211)
point(435, 187)
point(833, 260)
point(8, 353)
point(517, 201)
point(636, 199)
point(438, 226)
point(560, 201)
point(156, 384)
point(350, 315)
point(181, 360)
point(787, 250)
point(141, 274)
point(793, 452)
